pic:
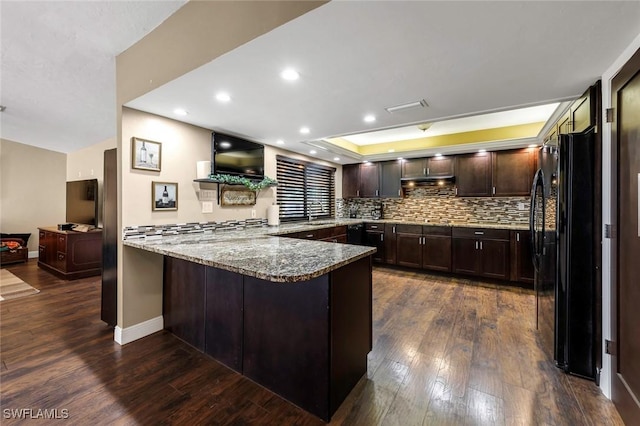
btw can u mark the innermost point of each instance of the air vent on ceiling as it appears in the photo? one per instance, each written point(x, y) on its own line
point(411, 105)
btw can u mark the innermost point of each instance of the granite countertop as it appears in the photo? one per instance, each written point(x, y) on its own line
point(255, 253)
point(259, 252)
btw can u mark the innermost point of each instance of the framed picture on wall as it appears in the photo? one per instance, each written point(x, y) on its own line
point(164, 196)
point(146, 155)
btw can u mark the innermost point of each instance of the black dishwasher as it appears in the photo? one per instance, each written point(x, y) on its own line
point(355, 234)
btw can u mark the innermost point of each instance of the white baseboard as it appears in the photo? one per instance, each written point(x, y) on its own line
point(32, 254)
point(127, 335)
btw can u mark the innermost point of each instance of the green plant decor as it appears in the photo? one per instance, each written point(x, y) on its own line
point(238, 180)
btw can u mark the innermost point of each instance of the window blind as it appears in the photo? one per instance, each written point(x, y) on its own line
point(304, 189)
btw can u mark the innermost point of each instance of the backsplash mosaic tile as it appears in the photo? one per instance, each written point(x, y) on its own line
point(150, 231)
point(440, 205)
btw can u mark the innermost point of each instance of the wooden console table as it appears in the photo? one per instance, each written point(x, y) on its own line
point(70, 254)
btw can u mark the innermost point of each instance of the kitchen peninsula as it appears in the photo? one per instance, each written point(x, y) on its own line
point(294, 316)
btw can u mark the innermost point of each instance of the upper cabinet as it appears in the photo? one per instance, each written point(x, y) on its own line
point(390, 173)
point(361, 180)
point(502, 173)
point(512, 172)
point(416, 168)
point(581, 115)
point(473, 177)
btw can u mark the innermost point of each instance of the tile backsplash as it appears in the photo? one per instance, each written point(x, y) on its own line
point(438, 204)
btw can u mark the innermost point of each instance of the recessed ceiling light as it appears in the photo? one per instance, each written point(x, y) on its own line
point(180, 111)
point(223, 97)
point(369, 118)
point(304, 130)
point(391, 150)
point(313, 151)
point(225, 144)
point(280, 142)
point(290, 74)
point(482, 151)
point(336, 158)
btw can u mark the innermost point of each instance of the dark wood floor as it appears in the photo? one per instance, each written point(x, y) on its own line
point(446, 351)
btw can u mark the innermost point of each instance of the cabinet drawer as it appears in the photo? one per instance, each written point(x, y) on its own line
point(324, 233)
point(42, 235)
point(374, 226)
point(339, 230)
point(481, 233)
point(436, 230)
point(409, 229)
point(62, 243)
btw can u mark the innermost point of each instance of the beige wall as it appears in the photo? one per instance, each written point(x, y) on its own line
point(32, 189)
point(196, 34)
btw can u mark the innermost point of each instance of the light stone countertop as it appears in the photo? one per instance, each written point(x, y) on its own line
point(260, 253)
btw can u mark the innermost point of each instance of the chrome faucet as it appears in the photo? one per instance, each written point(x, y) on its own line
point(311, 204)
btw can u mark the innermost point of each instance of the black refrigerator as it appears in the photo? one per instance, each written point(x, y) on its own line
point(562, 229)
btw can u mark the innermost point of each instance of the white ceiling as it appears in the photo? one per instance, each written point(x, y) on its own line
point(354, 58)
point(58, 67)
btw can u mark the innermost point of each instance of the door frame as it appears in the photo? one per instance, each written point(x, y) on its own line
point(624, 401)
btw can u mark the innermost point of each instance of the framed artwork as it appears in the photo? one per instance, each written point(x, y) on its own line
point(237, 197)
point(145, 154)
point(164, 196)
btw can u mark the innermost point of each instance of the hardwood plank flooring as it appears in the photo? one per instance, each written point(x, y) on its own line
point(446, 351)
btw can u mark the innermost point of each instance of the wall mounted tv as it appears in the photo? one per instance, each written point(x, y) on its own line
point(237, 156)
point(82, 202)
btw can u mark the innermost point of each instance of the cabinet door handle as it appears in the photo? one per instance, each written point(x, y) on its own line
point(479, 233)
point(427, 171)
point(456, 190)
point(424, 170)
point(480, 245)
point(399, 192)
point(374, 226)
point(494, 190)
point(517, 236)
point(309, 236)
point(357, 192)
point(377, 193)
point(394, 229)
point(381, 237)
point(476, 245)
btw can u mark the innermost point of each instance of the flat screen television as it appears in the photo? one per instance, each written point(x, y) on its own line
point(237, 156)
point(82, 202)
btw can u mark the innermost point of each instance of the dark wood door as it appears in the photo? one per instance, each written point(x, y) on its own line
point(390, 244)
point(521, 269)
point(390, 173)
point(436, 253)
point(625, 315)
point(350, 180)
point(370, 180)
point(409, 248)
point(494, 259)
point(465, 256)
point(513, 172)
point(473, 175)
point(414, 168)
point(440, 166)
point(376, 239)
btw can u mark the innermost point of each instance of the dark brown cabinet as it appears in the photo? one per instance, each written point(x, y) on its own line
point(351, 180)
point(390, 174)
point(473, 177)
point(374, 237)
point(390, 244)
point(70, 254)
point(481, 252)
point(333, 234)
point(409, 245)
point(436, 248)
point(361, 180)
point(521, 264)
point(428, 167)
point(512, 172)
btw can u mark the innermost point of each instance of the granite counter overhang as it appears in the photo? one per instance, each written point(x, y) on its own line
point(255, 253)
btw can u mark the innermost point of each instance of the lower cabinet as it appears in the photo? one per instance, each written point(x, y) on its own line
point(390, 244)
point(481, 252)
point(436, 248)
point(374, 237)
point(521, 265)
point(409, 246)
point(70, 254)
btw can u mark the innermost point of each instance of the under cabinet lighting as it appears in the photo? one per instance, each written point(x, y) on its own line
point(438, 155)
point(482, 151)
